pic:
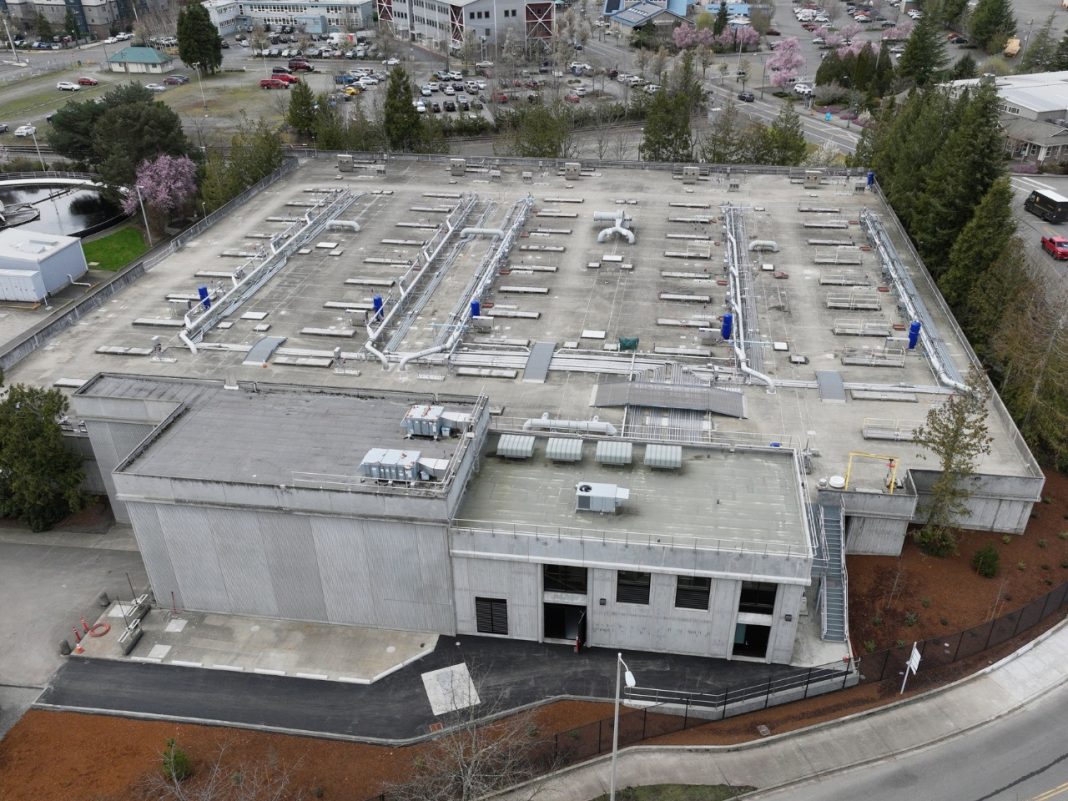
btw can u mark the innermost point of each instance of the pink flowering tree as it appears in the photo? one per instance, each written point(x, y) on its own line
point(899, 33)
point(850, 31)
point(166, 185)
point(743, 37)
point(786, 63)
point(853, 48)
point(686, 37)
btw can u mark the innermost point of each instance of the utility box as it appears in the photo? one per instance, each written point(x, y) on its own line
point(572, 169)
point(812, 179)
point(35, 265)
point(690, 174)
point(457, 167)
point(603, 498)
point(344, 162)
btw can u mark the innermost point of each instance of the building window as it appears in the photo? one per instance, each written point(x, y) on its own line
point(757, 598)
point(491, 615)
point(632, 587)
point(470, 14)
point(564, 578)
point(691, 592)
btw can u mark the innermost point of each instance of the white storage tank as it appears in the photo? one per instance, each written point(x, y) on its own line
point(35, 265)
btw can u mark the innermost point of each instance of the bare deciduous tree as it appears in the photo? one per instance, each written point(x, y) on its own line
point(223, 778)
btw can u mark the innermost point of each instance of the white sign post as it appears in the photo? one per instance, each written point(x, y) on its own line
point(913, 664)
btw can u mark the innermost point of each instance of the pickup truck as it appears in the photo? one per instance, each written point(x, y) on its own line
point(1056, 246)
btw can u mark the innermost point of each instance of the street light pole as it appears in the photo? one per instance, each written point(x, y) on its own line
point(141, 200)
point(14, 52)
point(200, 81)
point(628, 677)
point(39, 156)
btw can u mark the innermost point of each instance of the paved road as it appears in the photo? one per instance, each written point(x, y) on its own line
point(508, 674)
point(1021, 756)
point(1031, 229)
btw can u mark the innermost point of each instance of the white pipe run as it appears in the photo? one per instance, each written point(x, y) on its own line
point(620, 219)
point(407, 357)
point(348, 225)
point(481, 232)
point(593, 426)
point(736, 306)
point(377, 354)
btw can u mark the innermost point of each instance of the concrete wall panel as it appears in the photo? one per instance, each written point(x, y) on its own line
point(289, 548)
point(192, 546)
point(148, 531)
point(243, 563)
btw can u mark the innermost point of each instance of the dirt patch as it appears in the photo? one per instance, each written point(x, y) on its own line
point(107, 758)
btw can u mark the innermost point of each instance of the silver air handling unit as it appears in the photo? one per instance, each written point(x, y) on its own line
point(435, 422)
point(386, 464)
point(602, 498)
point(620, 225)
point(515, 446)
point(614, 453)
point(563, 449)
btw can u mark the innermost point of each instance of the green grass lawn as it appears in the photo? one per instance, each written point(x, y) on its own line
point(116, 250)
point(678, 792)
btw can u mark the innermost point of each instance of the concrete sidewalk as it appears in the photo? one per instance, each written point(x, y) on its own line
point(868, 737)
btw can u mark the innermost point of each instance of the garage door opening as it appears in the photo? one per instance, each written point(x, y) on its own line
point(751, 640)
point(565, 622)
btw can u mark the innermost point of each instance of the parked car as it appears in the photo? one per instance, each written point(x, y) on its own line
point(3, 128)
point(483, 65)
point(67, 86)
point(85, 80)
point(448, 90)
point(289, 79)
point(301, 66)
point(420, 107)
point(464, 105)
point(353, 91)
point(1056, 246)
point(391, 62)
point(176, 80)
point(802, 89)
point(273, 83)
point(582, 91)
point(435, 107)
point(155, 87)
point(500, 97)
point(449, 105)
point(746, 97)
point(649, 89)
point(25, 130)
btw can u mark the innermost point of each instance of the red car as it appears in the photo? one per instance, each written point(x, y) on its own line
point(500, 97)
point(573, 99)
point(85, 80)
point(273, 83)
point(285, 77)
point(301, 66)
point(1056, 246)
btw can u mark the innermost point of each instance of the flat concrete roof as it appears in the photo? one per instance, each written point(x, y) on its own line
point(559, 285)
point(749, 499)
point(271, 435)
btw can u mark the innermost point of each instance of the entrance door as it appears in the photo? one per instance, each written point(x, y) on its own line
point(751, 640)
point(565, 622)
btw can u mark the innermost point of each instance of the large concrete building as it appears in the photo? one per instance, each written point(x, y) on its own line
point(633, 408)
point(488, 23)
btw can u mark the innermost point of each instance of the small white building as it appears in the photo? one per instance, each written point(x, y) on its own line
point(35, 265)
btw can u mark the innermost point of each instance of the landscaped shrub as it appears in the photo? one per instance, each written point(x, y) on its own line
point(985, 561)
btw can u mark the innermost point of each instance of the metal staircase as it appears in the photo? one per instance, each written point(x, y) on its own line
point(833, 584)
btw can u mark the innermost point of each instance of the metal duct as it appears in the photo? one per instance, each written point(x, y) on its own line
point(545, 423)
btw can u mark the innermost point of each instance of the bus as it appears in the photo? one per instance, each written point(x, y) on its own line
point(1050, 206)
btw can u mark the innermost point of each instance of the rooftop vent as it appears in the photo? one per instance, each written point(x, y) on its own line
point(562, 449)
point(603, 498)
point(515, 446)
point(617, 453)
point(664, 457)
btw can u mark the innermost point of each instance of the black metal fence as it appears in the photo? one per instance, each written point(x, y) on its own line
point(944, 650)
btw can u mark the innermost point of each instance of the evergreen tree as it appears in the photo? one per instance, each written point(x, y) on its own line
point(966, 166)
point(301, 112)
point(404, 129)
point(883, 81)
point(863, 154)
point(667, 129)
point(1041, 50)
point(40, 478)
point(720, 25)
point(1060, 56)
point(44, 28)
point(541, 131)
point(199, 44)
point(685, 83)
point(864, 69)
point(70, 24)
point(71, 133)
point(964, 68)
point(992, 23)
point(784, 140)
point(723, 143)
point(131, 132)
point(925, 51)
point(830, 69)
point(992, 291)
point(977, 251)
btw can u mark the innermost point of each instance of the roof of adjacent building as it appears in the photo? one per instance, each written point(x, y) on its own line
point(749, 498)
point(645, 11)
point(21, 245)
point(1041, 92)
point(139, 55)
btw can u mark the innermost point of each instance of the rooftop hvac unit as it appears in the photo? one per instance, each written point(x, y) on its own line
point(562, 449)
point(390, 465)
point(425, 420)
point(603, 498)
